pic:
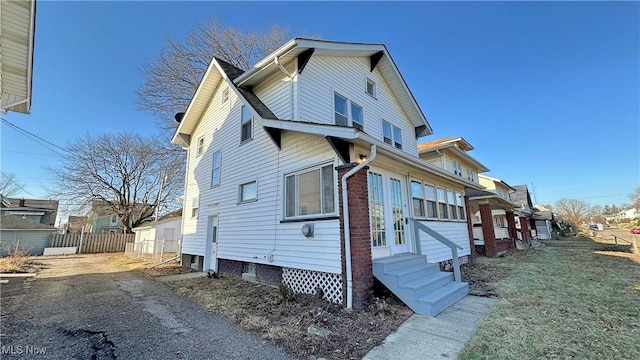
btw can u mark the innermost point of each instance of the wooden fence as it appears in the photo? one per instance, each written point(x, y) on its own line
point(93, 243)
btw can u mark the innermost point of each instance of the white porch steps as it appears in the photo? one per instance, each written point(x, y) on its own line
point(420, 285)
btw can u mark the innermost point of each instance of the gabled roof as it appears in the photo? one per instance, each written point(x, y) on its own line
point(16, 46)
point(47, 205)
point(492, 198)
point(444, 143)
point(296, 49)
point(13, 222)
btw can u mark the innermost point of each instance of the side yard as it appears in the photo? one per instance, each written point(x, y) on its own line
point(578, 299)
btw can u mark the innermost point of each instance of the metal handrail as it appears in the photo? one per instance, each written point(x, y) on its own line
point(417, 226)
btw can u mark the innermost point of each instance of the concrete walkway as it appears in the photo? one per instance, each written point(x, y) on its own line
point(440, 337)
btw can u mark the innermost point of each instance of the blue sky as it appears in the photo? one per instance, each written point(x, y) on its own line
point(547, 92)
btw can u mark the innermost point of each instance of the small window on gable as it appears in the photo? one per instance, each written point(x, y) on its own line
point(248, 192)
point(215, 169)
point(247, 124)
point(387, 132)
point(356, 116)
point(340, 107)
point(225, 95)
point(371, 88)
point(200, 146)
point(397, 137)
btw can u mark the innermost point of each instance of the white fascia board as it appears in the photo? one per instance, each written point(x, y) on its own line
point(212, 65)
point(470, 158)
point(267, 60)
point(311, 128)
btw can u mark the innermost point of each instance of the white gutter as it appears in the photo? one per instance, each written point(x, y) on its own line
point(345, 215)
point(276, 60)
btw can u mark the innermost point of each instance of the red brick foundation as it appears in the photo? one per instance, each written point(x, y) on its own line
point(362, 270)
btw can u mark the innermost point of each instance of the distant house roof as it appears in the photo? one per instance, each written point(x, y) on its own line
point(443, 143)
point(30, 204)
point(521, 196)
point(496, 180)
point(13, 222)
point(174, 215)
point(16, 45)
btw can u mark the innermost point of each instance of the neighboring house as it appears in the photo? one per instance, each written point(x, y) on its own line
point(18, 232)
point(75, 224)
point(18, 19)
point(103, 220)
point(268, 152)
point(544, 220)
point(36, 210)
point(451, 154)
point(494, 224)
point(630, 214)
point(524, 212)
point(160, 236)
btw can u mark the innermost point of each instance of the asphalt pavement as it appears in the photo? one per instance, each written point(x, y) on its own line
point(82, 307)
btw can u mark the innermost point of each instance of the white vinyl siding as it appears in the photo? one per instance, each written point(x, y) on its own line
point(452, 230)
point(275, 92)
point(248, 232)
point(325, 75)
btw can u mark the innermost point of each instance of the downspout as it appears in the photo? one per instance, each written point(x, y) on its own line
point(276, 60)
point(345, 215)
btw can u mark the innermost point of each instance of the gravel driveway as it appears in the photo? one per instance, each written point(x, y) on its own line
point(83, 307)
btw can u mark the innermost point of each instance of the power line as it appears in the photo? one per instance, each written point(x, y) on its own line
point(33, 137)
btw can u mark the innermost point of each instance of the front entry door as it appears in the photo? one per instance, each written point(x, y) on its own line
point(211, 259)
point(389, 213)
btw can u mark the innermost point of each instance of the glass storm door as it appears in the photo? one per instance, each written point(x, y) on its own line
point(388, 212)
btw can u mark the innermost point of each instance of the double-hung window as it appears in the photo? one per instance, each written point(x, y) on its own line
point(246, 128)
point(195, 203)
point(460, 204)
point(453, 209)
point(391, 135)
point(200, 150)
point(457, 168)
point(418, 199)
point(430, 196)
point(340, 107)
point(469, 174)
point(215, 169)
point(347, 113)
point(442, 204)
point(310, 192)
point(397, 138)
point(370, 88)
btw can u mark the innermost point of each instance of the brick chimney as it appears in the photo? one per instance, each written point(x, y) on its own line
point(21, 204)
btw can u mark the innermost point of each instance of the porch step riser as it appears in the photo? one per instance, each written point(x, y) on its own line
point(420, 285)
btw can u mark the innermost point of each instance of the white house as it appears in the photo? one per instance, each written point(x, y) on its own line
point(271, 150)
point(157, 237)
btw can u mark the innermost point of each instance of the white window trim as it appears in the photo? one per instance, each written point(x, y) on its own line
point(304, 170)
point(251, 121)
point(450, 204)
point(213, 156)
point(435, 200)
point(349, 114)
point(240, 201)
point(195, 205)
point(391, 125)
point(200, 149)
point(375, 87)
point(422, 197)
point(225, 95)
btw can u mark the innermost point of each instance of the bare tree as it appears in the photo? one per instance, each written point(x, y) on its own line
point(9, 186)
point(573, 211)
point(124, 172)
point(635, 198)
point(171, 78)
point(596, 214)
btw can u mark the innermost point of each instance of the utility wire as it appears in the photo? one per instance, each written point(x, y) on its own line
point(33, 137)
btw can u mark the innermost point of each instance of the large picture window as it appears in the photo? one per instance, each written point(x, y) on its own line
point(310, 192)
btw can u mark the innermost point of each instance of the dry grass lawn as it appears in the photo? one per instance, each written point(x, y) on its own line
point(578, 300)
point(141, 265)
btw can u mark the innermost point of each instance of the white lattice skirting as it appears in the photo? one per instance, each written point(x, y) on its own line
point(307, 281)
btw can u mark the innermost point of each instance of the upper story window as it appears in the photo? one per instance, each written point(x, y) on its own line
point(457, 168)
point(113, 219)
point(215, 169)
point(200, 146)
point(391, 135)
point(225, 95)
point(347, 113)
point(248, 192)
point(310, 192)
point(246, 124)
point(340, 107)
point(470, 174)
point(370, 88)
